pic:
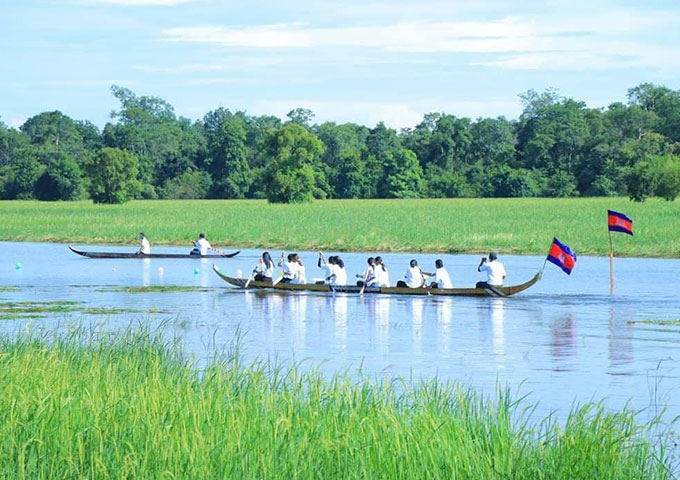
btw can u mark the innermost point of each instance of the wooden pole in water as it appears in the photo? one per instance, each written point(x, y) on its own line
point(611, 264)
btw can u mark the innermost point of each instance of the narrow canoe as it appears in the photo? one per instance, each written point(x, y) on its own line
point(452, 292)
point(150, 255)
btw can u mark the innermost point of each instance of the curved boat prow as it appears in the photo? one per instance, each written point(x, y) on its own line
point(76, 251)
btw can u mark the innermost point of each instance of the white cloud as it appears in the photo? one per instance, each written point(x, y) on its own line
point(137, 3)
point(188, 68)
point(496, 36)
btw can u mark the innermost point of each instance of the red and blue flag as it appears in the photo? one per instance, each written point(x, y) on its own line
point(618, 222)
point(562, 256)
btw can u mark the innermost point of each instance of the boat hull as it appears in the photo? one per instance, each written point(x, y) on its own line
point(446, 292)
point(150, 255)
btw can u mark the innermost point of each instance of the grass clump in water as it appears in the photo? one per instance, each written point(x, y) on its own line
point(132, 407)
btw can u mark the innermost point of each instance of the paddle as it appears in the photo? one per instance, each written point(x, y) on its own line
point(363, 286)
point(250, 279)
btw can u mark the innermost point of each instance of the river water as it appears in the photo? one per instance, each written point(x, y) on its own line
point(563, 341)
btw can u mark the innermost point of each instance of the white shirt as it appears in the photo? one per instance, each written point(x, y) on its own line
point(300, 274)
point(290, 270)
point(382, 277)
point(268, 270)
point(414, 277)
point(340, 275)
point(495, 272)
point(442, 278)
point(203, 246)
point(369, 276)
point(145, 248)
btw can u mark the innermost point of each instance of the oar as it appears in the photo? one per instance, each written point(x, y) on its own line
point(250, 279)
point(363, 286)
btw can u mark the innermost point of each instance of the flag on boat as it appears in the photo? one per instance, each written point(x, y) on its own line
point(562, 256)
point(618, 222)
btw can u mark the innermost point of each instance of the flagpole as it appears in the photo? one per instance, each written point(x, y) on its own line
point(611, 264)
point(545, 262)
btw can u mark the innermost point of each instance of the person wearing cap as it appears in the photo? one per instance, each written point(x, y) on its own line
point(144, 247)
point(495, 272)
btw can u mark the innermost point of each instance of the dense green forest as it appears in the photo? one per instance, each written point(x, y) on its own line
point(557, 148)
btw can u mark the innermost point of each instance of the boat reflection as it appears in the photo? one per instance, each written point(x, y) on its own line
point(339, 308)
point(497, 317)
point(414, 307)
point(382, 323)
point(444, 313)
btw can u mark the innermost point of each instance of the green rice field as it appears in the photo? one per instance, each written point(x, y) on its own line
point(524, 225)
point(133, 407)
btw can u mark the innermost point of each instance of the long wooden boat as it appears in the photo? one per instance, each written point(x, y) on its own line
point(150, 255)
point(312, 287)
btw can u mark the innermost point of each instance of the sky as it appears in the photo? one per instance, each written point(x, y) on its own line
point(362, 61)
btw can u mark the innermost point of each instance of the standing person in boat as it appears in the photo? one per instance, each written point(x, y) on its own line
point(382, 276)
point(441, 276)
point(201, 246)
point(264, 270)
point(367, 276)
point(414, 277)
point(495, 272)
point(144, 247)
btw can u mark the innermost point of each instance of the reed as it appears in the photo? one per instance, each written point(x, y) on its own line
point(522, 225)
point(132, 406)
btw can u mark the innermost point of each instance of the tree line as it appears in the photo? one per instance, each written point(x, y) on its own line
point(558, 147)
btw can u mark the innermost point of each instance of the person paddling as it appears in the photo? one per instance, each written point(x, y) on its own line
point(382, 276)
point(495, 272)
point(441, 276)
point(338, 274)
point(264, 270)
point(201, 246)
point(144, 247)
point(414, 277)
point(367, 277)
point(288, 266)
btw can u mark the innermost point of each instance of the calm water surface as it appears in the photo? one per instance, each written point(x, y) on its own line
point(565, 340)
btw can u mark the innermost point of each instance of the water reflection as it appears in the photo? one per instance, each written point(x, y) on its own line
point(563, 343)
point(444, 307)
point(414, 309)
point(620, 341)
point(497, 315)
point(340, 321)
point(382, 321)
point(146, 272)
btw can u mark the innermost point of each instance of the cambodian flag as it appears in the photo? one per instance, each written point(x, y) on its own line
point(562, 256)
point(618, 222)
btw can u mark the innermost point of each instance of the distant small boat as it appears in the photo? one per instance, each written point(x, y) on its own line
point(150, 255)
point(447, 292)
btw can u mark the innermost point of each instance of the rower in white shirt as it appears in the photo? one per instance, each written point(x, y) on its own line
point(289, 267)
point(441, 276)
point(338, 274)
point(367, 276)
point(495, 272)
point(201, 246)
point(382, 276)
point(326, 266)
point(144, 247)
point(414, 277)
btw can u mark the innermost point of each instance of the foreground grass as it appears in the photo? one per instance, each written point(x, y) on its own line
point(522, 225)
point(133, 408)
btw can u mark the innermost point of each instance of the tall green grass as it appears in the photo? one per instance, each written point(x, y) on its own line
point(132, 407)
point(523, 225)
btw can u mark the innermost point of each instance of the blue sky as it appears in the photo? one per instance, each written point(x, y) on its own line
point(360, 61)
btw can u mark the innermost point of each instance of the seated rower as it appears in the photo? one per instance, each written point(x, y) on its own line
point(300, 272)
point(414, 277)
point(495, 272)
point(201, 246)
point(144, 247)
point(441, 276)
point(382, 276)
point(289, 268)
point(338, 274)
point(326, 266)
point(367, 276)
point(264, 270)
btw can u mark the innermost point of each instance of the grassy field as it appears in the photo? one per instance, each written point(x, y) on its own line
point(131, 407)
point(455, 225)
